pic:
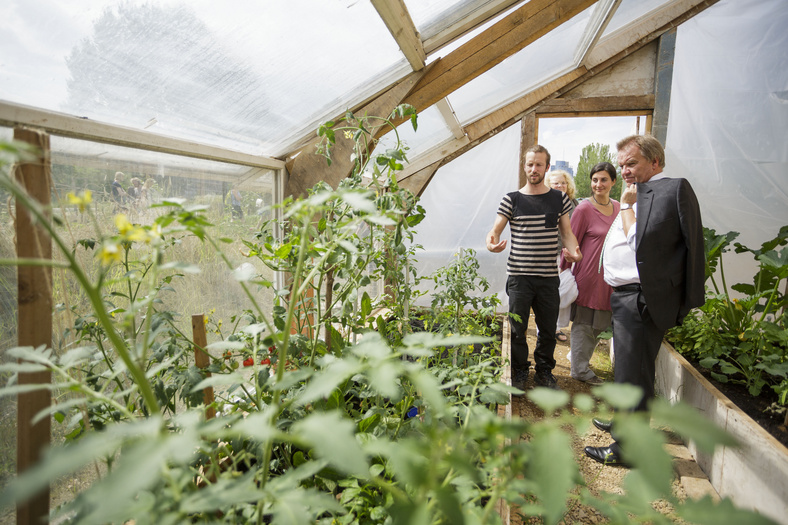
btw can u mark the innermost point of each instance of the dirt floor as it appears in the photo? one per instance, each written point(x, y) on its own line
point(598, 478)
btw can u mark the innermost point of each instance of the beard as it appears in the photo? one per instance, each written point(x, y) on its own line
point(535, 178)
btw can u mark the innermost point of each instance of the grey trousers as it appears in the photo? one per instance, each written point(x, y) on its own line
point(583, 341)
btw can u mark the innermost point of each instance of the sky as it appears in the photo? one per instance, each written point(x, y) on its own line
point(565, 138)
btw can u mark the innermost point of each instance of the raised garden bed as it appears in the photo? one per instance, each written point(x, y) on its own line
point(755, 475)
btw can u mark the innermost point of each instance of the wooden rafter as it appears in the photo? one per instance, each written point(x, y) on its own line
point(503, 39)
point(463, 20)
point(74, 127)
point(584, 107)
point(399, 23)
point(450, 118)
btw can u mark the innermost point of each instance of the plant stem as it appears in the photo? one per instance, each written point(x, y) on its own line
point(93, 293)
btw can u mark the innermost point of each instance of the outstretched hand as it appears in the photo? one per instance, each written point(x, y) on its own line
point(572, 257)
point(494, 246)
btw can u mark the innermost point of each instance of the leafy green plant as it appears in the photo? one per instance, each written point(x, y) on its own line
point(741, 340)
point(368, 432)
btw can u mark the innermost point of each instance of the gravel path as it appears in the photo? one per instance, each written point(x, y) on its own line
point(598, 478)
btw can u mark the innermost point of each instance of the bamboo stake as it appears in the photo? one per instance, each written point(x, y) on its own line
point(35, 320)
point(202, 360)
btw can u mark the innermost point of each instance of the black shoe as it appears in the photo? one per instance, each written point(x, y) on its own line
point(519, 378)
point(604, 455)
point(546, 379)
point(604, 426)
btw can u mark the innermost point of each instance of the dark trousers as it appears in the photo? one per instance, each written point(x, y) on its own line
point(636, 342)
point(528, 292)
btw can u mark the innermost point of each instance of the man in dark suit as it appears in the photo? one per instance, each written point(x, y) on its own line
point(654, 260)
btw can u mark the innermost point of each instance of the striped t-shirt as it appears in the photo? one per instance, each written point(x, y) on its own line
point(533, 220)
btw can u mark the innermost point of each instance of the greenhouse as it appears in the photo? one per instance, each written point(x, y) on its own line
point(245, 273)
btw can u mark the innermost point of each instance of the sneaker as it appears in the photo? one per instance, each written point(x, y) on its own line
point(546, 380)
point(519, 378)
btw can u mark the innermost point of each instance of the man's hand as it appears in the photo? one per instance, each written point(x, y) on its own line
point(630, 193)
point(493, 244)
point(572, 257)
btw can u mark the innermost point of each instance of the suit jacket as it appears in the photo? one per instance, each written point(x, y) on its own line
point(669, 250)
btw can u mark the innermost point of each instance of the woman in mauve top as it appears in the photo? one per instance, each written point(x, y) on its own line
point(591, 313)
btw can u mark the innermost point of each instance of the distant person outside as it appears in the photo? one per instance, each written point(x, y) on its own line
point(536, 215)
point(235, 201)
point(118, 194)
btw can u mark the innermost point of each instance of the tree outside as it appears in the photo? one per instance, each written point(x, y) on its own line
point(589, 157)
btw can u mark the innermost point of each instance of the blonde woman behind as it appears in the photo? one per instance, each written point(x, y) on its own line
point(563, 181)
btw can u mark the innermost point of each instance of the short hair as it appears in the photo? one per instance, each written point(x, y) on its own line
point(570, 181)
point(649, 147)
point(536, 148)
point(604, 166)
point(119, 175)
point(135, 180)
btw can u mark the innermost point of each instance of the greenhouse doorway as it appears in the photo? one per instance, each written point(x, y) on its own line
point(565, 137)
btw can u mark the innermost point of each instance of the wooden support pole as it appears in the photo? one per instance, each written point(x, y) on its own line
point(35, 320)
point(663, 80)
point(528, 133)
point(201, 360)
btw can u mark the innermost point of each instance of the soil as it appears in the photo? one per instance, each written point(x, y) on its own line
point(763, 409)
point(598, 478)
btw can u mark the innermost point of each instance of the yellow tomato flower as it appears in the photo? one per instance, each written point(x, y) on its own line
point(129, 231)
point(82, 200)
point(109, 253)
point(348, 134)
point(122, 223)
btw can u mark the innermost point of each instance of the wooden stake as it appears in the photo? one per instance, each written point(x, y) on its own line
point(202, 360)
point(35, 320)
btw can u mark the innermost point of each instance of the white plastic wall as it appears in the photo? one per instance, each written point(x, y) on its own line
point(728, 125)
point(461, 204)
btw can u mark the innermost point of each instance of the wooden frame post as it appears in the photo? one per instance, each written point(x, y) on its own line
point(663, 80)
point(201, 360)
point(34, 298)
point(528, 135)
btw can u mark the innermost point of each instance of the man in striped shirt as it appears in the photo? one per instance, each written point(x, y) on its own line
point(536, 216)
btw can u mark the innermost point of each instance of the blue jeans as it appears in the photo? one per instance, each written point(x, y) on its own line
point(528, 292)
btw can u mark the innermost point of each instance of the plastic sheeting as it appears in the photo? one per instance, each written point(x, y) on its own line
point(530, 67)
point(461, 203)
point(728, 125)
point(248, 75)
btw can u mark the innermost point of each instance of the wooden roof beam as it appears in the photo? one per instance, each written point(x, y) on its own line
point(447, 112)
point(491, 47)
point(399, 23)
point(64, 125)
point(464, 20)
